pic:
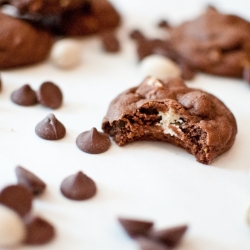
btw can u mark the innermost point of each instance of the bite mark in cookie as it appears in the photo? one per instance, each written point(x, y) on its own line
point(170, 111)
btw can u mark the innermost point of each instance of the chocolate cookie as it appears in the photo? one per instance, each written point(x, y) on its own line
point(95, 17)
point(170, 111)
point(21, 43)
point(214, 43)
point(44, 6)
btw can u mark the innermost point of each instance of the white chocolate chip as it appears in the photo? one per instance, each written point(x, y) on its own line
point(12, 228)
point(159, 67)
point(66, 53)
point(152, 81)
point(169, 118)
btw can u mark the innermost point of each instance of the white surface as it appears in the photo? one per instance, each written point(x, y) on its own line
point(143, 180)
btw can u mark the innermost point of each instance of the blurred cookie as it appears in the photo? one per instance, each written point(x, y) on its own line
point(21, 43)
point(44, 6)
point(170, 111)
point(214, 43)
point(95, 17)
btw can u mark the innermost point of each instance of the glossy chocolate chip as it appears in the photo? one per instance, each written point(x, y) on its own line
point(110, 43)
point(24, 96)
point(78, 187)
point(30, 181)
point(148, 244)
point(50, 128)
point(136, 228)
point(18, 198)
point(170, 236)
point(93, 142)
point(50, 95)
point(39, 231)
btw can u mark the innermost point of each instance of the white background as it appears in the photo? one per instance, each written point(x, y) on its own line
point(144, 180)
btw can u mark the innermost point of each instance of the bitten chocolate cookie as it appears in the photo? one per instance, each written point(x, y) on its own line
point(21, 43)
point(170, 111)
point(44, 6)
point(214, 43)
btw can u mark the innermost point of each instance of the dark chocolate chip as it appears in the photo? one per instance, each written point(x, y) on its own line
point(39, 231)
point(18, 198)
point(50, 128)
point(50, 95)
point(170, 236)
point(110, 43)
point(163, 24)
point(246, 73)
point(93, 142)
point(29, 180)
point(136, 34)
point(24, 96)
point(78, 187)
point(148, 244)
point(136, 228)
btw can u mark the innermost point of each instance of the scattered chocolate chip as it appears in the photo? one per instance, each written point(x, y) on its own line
point(170, 236)
point(163, 24)
point(246, 73)
point(136, 34)
point(93, 142)
point(18, 198)
point(136, 228)
point(78, 187)
point(50, 128)
point(50, 95)
point(24, 96)
point(30, 181)
point(110, 43)
point(39, 231)
point(148, 244)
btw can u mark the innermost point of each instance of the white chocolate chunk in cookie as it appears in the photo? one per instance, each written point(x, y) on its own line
point(169, 118)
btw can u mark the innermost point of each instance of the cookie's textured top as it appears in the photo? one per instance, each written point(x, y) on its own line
point(45, 6)
point(170, 111)
point(215, 43)
point(21, 43)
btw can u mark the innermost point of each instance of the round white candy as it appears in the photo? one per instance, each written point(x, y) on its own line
point(66, 53)
point(12, 228)
point(159, 67)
